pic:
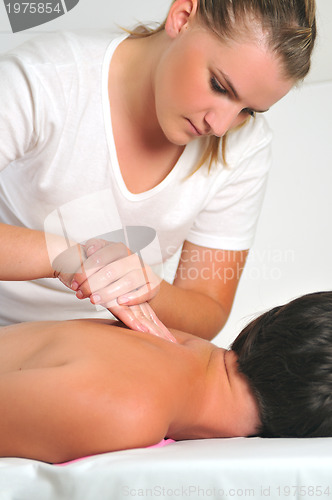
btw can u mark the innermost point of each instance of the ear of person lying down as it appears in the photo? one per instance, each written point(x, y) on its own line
point(74, 388)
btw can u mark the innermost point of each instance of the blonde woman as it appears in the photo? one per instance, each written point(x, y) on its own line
point(156, 129)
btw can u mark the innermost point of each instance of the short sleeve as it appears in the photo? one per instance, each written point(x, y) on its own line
point(229, 218)
point(17, 104)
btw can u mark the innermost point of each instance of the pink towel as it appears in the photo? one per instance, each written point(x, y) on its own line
point(162, 443)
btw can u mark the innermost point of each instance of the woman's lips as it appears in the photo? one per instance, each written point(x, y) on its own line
point(194, 130)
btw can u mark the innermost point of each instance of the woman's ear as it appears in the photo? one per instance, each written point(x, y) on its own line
point(180, 14)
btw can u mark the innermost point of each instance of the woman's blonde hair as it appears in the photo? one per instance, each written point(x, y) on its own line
point(289, 27)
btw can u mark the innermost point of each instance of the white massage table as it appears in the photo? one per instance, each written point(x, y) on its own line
point(215, 469)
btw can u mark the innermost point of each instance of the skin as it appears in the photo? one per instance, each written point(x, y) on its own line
point(76, 388)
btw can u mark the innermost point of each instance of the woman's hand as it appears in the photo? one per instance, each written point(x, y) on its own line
point(112, 272)
point(68, 263)
point(75, 264)
point(142, 318)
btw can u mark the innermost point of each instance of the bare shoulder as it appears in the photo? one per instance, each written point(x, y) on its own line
point(83, 415)
point(185, 338)
point(122, 418)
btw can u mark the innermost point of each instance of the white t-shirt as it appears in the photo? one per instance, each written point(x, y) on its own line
point(59, 171)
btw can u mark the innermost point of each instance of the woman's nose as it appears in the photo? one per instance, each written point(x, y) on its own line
point(221, 119)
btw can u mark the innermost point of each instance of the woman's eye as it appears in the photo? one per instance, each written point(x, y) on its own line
point(248, 111)
point(215, 85)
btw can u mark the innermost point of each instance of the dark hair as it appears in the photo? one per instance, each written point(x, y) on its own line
point(286, 354)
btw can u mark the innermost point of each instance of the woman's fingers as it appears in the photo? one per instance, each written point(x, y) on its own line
point(111, 273)
point(93, 245)
point(153, 323)
point(113, 277)
point(127, 316)
point(143, 294)
point(105, 271)
point(141, 318)
point(133, 288)
point(104, 254)
point(69, 262)
point(126, 279)
point(108, 294)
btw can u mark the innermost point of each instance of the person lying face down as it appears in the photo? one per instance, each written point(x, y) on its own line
point(82, 387)
point(74, 388)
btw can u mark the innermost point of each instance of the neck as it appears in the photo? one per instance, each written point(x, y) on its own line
point(222, 403)
point(134, 63)
point(200, 415)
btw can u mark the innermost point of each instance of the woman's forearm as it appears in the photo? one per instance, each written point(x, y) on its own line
point(26, 254)
point(189, 311)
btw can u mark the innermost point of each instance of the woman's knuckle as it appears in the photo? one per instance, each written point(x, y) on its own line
point(128, 283)
point(109, 275)
point(121, 249)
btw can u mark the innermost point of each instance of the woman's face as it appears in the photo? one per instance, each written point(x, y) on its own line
point(204, 86)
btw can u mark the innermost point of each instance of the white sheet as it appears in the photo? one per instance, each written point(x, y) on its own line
point(215, 469)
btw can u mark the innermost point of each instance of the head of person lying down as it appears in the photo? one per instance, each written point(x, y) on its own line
point(74, 388)
point(286, 355)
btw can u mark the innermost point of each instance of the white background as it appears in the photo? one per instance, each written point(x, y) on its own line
point(292, 251)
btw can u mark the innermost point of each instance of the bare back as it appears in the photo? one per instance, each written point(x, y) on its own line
point(94, 386)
